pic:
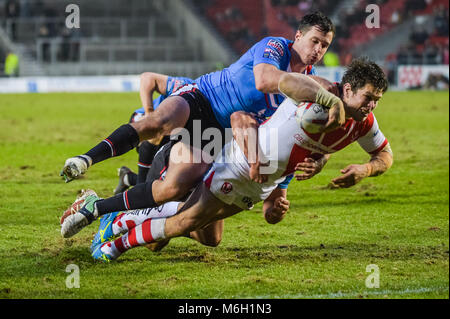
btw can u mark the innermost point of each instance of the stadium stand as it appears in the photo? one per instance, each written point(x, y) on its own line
point(244, 22)
point(115, 37)
point(402, 24)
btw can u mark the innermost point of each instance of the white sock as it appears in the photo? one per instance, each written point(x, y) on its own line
point(136, 217)
point(149, 231)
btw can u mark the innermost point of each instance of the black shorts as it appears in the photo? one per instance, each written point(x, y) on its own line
point(201, 112)
point(160, 162)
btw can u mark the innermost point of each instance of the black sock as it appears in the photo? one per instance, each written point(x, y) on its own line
point(122, 140)
point(140, 196)
point(147, 152)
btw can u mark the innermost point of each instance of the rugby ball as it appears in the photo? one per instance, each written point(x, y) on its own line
point(311, 117)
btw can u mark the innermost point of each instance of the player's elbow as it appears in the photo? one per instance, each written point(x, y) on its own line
point(262, 84)
point(272, 218)
point(235, 118)
point(147, 78)
point(212, 241)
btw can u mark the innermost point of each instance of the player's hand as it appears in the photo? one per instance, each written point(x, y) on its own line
point(336, 117)
point(255, 174)
point(278, 211)
point(351, 175)
point(309, 167)
point(156, 140)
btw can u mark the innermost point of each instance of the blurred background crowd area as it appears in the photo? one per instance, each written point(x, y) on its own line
point(242, 22)
point(118, 32)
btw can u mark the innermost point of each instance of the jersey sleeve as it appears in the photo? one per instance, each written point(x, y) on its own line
point(373, 141)
point(284, 184)
point(271, 51)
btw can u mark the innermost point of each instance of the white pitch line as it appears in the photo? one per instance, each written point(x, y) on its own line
point(351, 294)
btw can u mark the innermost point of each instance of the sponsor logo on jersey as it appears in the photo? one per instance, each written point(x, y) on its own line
point(271, 54)
point(226, 187)
point(271, 51)
point(308, 145)
point(277, 46)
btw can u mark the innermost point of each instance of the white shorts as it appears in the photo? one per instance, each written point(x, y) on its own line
point(228, 179)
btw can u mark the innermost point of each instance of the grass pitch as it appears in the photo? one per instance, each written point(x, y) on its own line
point(398, 221)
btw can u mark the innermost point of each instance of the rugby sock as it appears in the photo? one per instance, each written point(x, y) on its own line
point(122, 140)
point(147, 152)
point(148, 232)
point(140, 196)
point(131, 219)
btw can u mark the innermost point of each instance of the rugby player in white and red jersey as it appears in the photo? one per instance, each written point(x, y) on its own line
point(227, 188)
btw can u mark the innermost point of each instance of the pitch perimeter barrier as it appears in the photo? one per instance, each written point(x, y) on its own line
point(125, 83)
point(121, 83)
point(414, 76)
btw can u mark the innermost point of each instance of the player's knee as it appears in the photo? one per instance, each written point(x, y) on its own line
point(148, 127)
point(212, 241)
point(147, 77)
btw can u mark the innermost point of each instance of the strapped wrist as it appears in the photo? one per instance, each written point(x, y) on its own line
point(325, 98)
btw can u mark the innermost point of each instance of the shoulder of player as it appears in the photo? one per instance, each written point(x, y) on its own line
point(367, 124)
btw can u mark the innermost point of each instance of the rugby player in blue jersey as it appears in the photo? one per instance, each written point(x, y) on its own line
point(249, 85)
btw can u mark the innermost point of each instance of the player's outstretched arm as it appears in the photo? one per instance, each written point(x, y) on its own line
point(149, 83)
point(353, 174)
point(276, 206)
point(310, 167)
point(303, 88)
point(267, 77)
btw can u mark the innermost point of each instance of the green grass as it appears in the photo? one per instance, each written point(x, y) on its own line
point(398, 221)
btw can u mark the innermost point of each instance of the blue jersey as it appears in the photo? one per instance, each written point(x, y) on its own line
point(233, 89)
point(173, 84)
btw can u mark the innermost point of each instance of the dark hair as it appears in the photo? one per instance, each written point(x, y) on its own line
point(362, 71)
point(316, 19)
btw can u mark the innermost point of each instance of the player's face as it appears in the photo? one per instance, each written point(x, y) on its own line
point(312, 45)
point(359, 105)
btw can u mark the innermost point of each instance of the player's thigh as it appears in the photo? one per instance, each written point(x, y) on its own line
point(225, 212)
point(172, 113)
point(186, 166)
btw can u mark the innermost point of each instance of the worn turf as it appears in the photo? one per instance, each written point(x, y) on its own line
point(398, 221)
